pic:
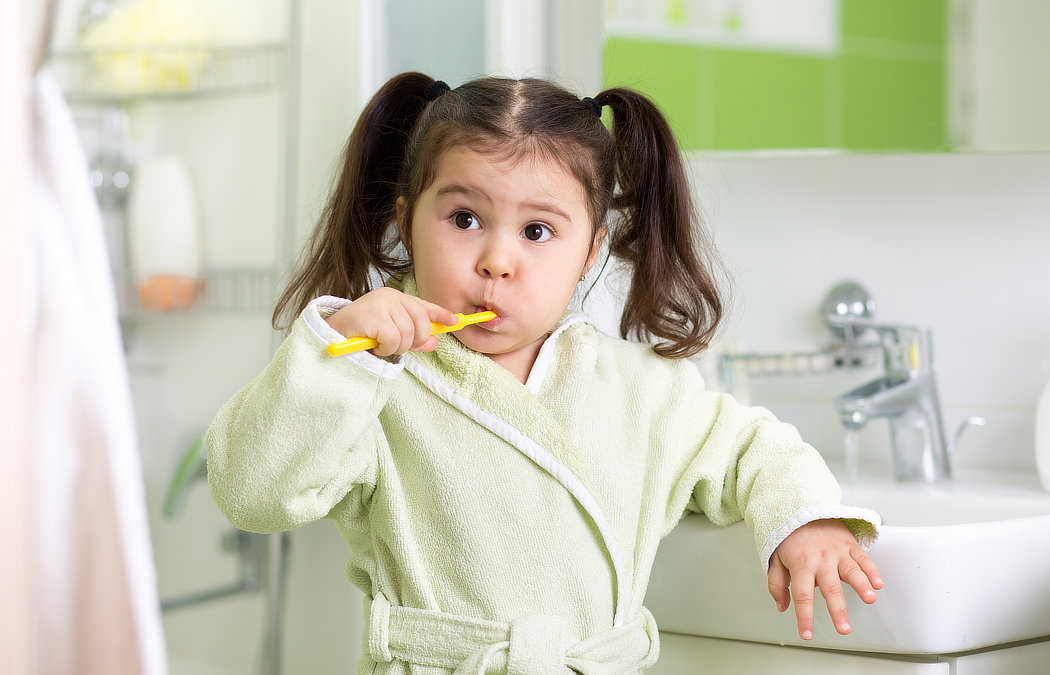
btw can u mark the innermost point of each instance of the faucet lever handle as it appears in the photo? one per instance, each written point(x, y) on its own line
point(972, 421)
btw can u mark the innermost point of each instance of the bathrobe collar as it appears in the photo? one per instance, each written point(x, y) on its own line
point(483, 381)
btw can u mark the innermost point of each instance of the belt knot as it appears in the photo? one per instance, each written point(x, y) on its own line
point(537, 645)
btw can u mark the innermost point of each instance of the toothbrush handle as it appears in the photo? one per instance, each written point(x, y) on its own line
point(355, 344)
point(361, 343)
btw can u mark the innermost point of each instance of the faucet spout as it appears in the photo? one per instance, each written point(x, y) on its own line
point(906, 394)
point(911, 405)
point(852, 419)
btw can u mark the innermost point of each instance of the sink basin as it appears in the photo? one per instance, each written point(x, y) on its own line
point(966, 566)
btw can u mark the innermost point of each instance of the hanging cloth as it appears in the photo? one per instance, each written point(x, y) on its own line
point(97, 605)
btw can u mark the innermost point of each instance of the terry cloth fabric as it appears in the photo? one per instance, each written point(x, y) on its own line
point(463, 492)
point(96, 584)
point(530, 645)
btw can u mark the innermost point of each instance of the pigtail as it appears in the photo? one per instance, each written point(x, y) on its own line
point(673, 296)
point(352, 237)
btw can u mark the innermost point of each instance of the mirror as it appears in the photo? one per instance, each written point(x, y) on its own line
point(839, 75)
point(457, 40)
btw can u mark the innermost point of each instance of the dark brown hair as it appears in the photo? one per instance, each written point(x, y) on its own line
point(392, 154)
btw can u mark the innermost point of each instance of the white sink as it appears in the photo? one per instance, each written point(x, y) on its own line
point(966, 566)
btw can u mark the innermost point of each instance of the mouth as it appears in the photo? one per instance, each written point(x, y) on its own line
point(489, 308)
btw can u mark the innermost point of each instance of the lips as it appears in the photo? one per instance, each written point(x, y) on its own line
point(489, 307)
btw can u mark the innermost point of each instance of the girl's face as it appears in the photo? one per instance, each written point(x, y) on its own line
point(510, 236)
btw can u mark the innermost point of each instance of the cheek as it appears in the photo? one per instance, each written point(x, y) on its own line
point(440, 271)
point(556, 286)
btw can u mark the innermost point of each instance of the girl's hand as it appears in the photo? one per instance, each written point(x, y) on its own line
point(819, 554)
point(397, 321)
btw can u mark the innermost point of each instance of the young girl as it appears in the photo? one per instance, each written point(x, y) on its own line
point(504, 488)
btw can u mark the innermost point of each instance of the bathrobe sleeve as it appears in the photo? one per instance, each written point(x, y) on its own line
point(746, 465)
point(297, 439)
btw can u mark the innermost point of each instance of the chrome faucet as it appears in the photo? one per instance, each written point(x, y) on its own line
point(906, 394)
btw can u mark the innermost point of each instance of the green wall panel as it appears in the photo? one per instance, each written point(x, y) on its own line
point(893, 104)
point(667, 73)
point(919, 21)
point(883, 89)
point(768, 100)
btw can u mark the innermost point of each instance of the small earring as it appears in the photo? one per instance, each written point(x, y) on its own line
point(583, 278)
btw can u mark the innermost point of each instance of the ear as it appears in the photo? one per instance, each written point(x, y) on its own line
point(404, 231)
point(596, 246)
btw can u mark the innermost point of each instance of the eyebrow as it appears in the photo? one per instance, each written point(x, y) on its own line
point(458, 189)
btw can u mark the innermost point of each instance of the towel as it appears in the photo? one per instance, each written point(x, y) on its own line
point(97, 608)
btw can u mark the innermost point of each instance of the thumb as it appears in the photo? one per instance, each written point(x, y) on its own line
point(779, 580)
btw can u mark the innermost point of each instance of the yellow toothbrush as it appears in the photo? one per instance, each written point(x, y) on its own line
point(360, 343)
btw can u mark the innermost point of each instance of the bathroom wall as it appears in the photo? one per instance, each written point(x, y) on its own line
point(956, 243)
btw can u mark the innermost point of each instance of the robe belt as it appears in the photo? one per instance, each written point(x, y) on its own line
point(535, 644)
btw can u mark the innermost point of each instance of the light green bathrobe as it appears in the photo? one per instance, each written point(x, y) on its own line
point(498, 524)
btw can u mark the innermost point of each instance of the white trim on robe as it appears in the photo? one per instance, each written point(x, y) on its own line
point(543, 359)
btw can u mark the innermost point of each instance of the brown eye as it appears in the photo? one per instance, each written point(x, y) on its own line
point(536, 232)
point(465, 220)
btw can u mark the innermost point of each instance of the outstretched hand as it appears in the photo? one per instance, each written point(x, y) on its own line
point(821, 554)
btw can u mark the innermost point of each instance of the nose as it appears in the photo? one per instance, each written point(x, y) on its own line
point(497, 258)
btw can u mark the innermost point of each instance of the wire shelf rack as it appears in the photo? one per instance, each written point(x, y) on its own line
point(217, 290)
point(129, 75)
point(839, 356)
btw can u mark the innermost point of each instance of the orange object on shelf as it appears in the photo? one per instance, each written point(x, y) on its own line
point(168, 293)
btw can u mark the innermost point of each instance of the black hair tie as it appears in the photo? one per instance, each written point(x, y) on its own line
point(436, 90)
point(593, 105)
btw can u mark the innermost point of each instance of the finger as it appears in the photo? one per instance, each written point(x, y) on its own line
point(420, 316)
point(439, 314)
point(852, 574)
point(396, 331)
point(779, 580)
point(388, 337)
point(802, 594)
point(424, 313)
point(406, 326)
point(834, 598)
point(868, 566)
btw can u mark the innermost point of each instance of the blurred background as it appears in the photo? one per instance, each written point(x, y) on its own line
point(900, 143)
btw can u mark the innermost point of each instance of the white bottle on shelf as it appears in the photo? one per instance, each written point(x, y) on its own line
point(164, 233)
point(1042, 436)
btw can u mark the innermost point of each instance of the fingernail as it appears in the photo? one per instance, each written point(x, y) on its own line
point(807, 634)
point(845, 628)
